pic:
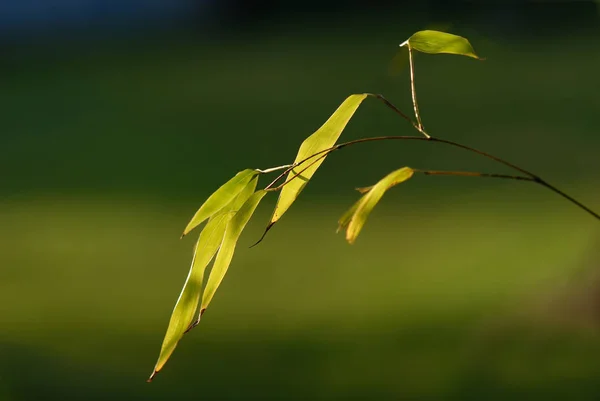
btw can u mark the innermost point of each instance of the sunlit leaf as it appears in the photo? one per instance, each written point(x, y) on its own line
point(220, 198)
point(232, 234)
point(400, 59)
point(324, 138)
point(354, 219)
point(187, 304)
point(208, 243)
point(346, 217)
point(436, 42)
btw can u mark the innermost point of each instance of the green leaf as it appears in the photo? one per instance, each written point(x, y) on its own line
point(324, 138)
point(208, 243)
point(232, 234)
point(436, 42)
point(354, 219)
point(220, 198)
point(187, 303)
point(346, 217)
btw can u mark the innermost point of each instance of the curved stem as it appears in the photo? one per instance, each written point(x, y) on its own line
point(485, 154)
point(474, 174)
point(426, 137)
point(323, 155)
point(530, 176)
point(567, 197)
point(272, 169)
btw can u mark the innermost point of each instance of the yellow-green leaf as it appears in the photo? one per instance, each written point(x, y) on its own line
point(346, 217)
point(187, 303)
point(355, 218)
point(324, 138)
point(220, 198)
point(232, 234)
point(242, 197)
point(208, 243)
point(436, 42)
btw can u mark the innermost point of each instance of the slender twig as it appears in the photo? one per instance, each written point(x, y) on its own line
point(414, 92)
point(485, 154)
point(292, 166)
point(474, 174)
point(536, 180)
point(391, 106)
point(567, 197)
point(418, 126)
point(272, 169)
point(531, 176)
point(323, 155)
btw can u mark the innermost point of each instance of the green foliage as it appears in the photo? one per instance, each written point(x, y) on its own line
point(310, 153)
point(355, 218)
point(434, 42)
point(231, 206)
point(212, 239)
point(220, 198)
point(232, 234)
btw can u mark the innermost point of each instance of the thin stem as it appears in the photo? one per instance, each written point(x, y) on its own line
point(323, 155)
point(485, 154)
point(536, 180)
point(292, 166)
point(391, 106)
point(531, 177)
point(272, 169)
point(452, 143)
point(568, 197)
point(474, 174)
point(426, 137)
point(414, 91)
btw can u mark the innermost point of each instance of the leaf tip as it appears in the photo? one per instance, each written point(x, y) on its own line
point(271, 224)
point(192, 325)
point(154, 372)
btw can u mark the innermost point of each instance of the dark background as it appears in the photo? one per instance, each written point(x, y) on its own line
point(117, 119)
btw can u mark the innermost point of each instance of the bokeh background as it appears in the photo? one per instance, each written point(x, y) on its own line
point(118, 118)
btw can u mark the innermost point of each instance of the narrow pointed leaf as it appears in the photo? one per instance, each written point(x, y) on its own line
point(324, 138)
point(242, 197)
point(436, 42)
point(208, 243)
point(220, 198)
point(187, 304)
point(232, 234)
point(360, 210)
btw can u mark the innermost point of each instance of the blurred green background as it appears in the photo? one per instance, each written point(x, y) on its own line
point(113, 133)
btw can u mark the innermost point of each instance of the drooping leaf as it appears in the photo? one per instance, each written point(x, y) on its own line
point(354, 219)
point(232, 234)
point(324, 138)
point(346, 217)
point(187, 304)
point(242, 197)
point(436, 42)
point(220, 198)
point(208, 243)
